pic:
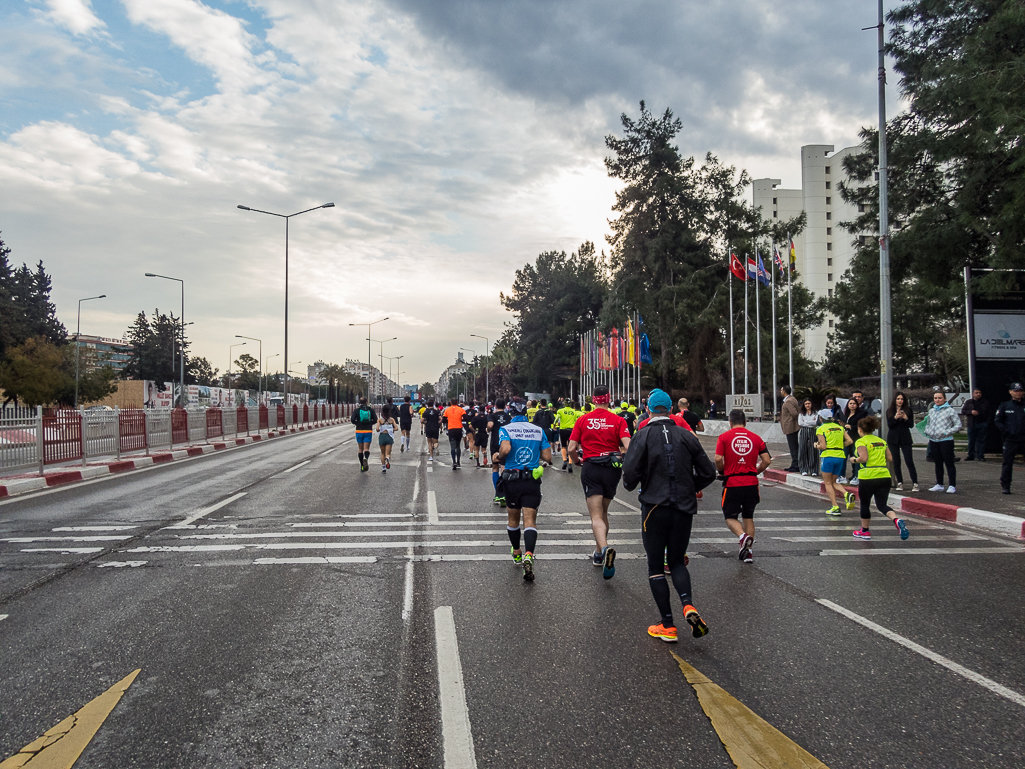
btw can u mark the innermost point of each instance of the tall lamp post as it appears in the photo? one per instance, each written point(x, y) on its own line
point(286, 217)
point(368, 325)
point(78, 340)
point(266, 365)
point(230, 348)
point(487, 371)
point(382, 343)
point(181, 392)
point(288, 370)
point(467, 349)
point(398, 374)
point(259, 360)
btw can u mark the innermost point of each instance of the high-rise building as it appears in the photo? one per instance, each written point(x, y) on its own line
point(98, 351)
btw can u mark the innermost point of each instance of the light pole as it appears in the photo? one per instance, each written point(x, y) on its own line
point(381, 342)
point(398, 374)
point(78, 340)
point(487, 371)
point(286, 217)
point(230, 348)
point(259, 360)
point(467, 349)
point(266, 365)
point(288, 370)
point(368, 325)
point(885, 322)
point(181, 394)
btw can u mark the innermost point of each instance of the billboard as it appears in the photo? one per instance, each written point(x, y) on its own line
point(750, 404)
point(1000, 335)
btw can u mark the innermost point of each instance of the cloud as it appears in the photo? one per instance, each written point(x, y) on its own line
point(74, 15)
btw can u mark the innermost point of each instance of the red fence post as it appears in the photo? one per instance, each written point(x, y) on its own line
point(63, 438)
point(306, 413)
point(281, 416)
point(264, 418)
point(214, 425)
point(242, 413)
point(132, 430)
point(179, 426)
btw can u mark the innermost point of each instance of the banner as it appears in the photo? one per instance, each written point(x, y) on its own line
point(1000, 336)
point(645, 350)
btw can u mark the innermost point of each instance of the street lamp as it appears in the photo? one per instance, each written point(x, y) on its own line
point(266, 365)
point(381, 342)
point(181, 394)
point(390, 359)
point(467, 349)
point(286, 217)
point(78, 340)
point(487, 371)
point(368, 325)
point(288, 370)
point(259, 360)
point(230, 348)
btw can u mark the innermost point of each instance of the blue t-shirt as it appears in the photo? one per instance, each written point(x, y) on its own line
point(527, 440)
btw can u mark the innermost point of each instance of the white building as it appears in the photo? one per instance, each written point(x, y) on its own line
point(457, 369)
point(824, 250)
point(380, 385)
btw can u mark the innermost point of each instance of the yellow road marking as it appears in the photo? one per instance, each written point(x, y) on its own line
point(61, 746)
point(751, 741)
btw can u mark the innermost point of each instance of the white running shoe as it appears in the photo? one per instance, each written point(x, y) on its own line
point(914, 487)
point(937, 487)
point(951, 490)
point(900, 487)
point(854, 481)
point(841, 480)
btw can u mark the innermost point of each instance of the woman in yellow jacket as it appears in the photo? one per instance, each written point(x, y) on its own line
point(872, 453)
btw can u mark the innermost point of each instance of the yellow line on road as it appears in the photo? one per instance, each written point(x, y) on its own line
point(751, 741)
point(61, 746)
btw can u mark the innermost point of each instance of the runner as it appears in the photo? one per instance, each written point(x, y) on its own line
point(479, 426)
point(741, 455)
point(522, 448)
point(432, 423)
point(405, 422)
point(454, 419)
point(873, 455)
point(532, 408)
point(386, 436)
point(364, 418)
point(603, 436)
point(544, 418)
point(496, 420)
point(628, 416)
point(567, 419)
point(671, 468)
point(832, 439)
point(420, 413)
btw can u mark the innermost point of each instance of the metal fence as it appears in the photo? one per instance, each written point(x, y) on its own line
point(36, 437)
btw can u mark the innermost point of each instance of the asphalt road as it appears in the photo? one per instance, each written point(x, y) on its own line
point(306, 623)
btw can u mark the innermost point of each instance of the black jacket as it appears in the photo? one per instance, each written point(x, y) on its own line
point(669, 464)
point(1010, 420)
point(981, 405)
point(900, 429)
point(364, 424)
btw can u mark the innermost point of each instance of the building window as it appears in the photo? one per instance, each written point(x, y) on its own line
point(827, 185)
point(829, 230)
point(829, 276)
point(829, 262)
point(829, 216)
point(831, 324)
point(877, 176)
point(774, 201)
point(827, 169)
point(829, 201)
point(862, 240)
point(829, 246)
point(861, 208)
point(830, 293)
point(775, 214)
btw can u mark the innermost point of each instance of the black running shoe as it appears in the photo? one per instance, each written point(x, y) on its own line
point(528, 567)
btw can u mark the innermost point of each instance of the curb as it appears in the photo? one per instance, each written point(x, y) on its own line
point(17, 486)
point(998, 523)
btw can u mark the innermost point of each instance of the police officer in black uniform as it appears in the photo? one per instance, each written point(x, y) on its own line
point(1010, 421)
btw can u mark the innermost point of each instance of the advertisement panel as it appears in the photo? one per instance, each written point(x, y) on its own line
point(750, 404)
point(1000, 335)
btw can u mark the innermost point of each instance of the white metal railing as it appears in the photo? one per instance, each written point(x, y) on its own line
point(20, 437)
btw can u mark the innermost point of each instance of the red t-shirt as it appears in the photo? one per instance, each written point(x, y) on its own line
point(678, 418)
point(598, 432)
point(740, 449)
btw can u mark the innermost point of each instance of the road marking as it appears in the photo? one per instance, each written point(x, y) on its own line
point(316, 559)
point(191, 519)
point(28, 540)
point(924, 550)
point(60, 747)
point(325, 453)
point(918, 538)
point(407, 593)
point(120, 564)
point(432, 508)
point(628, 505)
point(296, 467)
point(907, 643)
point(64, 550)
point(416, 489)
point(455, 718)
point(94, 528)
point(751, 741)
point(4, 616)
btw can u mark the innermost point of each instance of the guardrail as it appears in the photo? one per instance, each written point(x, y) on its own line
point(34, 438)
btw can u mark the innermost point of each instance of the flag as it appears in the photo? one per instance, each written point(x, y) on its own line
point(763, 274)
point(778, 257)
point(645, 349)
point(631, 344)
point(752, 269)
point(793, 255)
point(736, 267)
point(617, 351)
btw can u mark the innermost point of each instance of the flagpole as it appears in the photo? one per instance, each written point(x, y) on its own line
point(733, 349)
point(758, 324)
point(790, 311)
point(775, 379)
point(747, 279)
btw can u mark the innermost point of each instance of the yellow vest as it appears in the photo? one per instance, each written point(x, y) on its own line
point(876, 465)
point(834, 439)
point(567, 418)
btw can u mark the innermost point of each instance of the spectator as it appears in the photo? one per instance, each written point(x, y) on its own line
point(1010, 421)
point(713, 409)
point(853, 414)
point(830, 409)
point(696, 425)
point(900, 418)
point(976, 409)
point(788, 423)
point(942, 423)
point(808, 454)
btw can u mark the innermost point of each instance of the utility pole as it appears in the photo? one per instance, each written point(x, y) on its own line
point(885, 322)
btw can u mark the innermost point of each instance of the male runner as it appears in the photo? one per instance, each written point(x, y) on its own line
point(420, 413)
point(496, 420)
point(432, 424)
point(479, 426)
point(454, 419)
point(628, 416)
point(522, 448)
point(532, 408)
point(671, 468)
point(741, 455)
point(544, 418)
point(567, 419)
point(603, 436)
point(364, 418)
point(405, 422)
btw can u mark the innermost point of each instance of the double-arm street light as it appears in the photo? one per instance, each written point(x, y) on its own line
point(487, 371)
point(286, 217)
point(181, 393)
point(390, 358)
point(259, 360)
point(266, 363)
point(78, 340)
point(368, 325)
point(382, 343)
point(467, 349)
point(230, 348)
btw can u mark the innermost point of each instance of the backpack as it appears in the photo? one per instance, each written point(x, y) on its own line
point(364, 415)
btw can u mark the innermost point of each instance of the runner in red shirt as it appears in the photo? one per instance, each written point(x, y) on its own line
point(741, 455)
point(604, 437)
point(678, 418)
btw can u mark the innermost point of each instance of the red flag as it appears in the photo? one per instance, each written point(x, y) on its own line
point(737, 267)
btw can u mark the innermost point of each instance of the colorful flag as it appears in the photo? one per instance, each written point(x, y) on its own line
point(778, 257)
point(645, 350)
point(763, 274)
point(793, 255)
point(631, 344)
point(736, 267)
point(752, 269)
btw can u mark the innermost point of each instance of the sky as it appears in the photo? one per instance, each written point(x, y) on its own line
point(457, 139)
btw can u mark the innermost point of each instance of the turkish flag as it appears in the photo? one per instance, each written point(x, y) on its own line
point(737, 267)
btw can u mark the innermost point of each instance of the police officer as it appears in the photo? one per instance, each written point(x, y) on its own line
point(1010, 421)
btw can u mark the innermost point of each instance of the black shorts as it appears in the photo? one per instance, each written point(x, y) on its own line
point(431, 432)
point(480, 439)
point(522, 492)
point(600, 479)
point(564, 436)
point(740, 501)
point(406, 425)
point(552, 436)
point(455, 434)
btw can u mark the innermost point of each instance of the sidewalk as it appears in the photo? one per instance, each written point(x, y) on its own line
point(23, 483)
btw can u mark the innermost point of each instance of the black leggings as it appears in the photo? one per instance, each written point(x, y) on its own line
point(665, 532)
point(877, 488)
point(909, 460)
point(943, 454)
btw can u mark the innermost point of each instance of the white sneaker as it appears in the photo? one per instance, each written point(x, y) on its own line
point(900, 487)
point(951, 490)
point(915, 487)
point(804, 473)
point(854, 481)
point(937, 487)
point(841, 480)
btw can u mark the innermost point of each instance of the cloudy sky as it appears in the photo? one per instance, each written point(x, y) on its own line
point(457, 139)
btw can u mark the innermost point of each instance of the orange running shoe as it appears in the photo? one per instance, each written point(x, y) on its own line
point(667, 634)
point(694, 620)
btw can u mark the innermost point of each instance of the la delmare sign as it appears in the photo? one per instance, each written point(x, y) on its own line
point(1000, 336)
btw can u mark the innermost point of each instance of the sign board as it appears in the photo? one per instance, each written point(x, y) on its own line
point(750, 404)
point(1000, 336)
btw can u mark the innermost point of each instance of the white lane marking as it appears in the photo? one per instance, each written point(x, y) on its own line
point(325, 453)
point(628, 505)
point(120, 564)
point(435, 557)
point(407, 593)
point(4, 616)
point(923, 550)
point(191, 519)
point(942, 538)
point(28, 540)
point(65, 550)
point(455, 718)
point(94, 528)
point(505, 517)
point(432, 508)
point(929, 654)
point(296, 467)
point(184, 548)
point(316, 559)
point(416, 489)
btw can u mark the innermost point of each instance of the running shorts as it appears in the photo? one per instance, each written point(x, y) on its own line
point(431, 432)
point(455, 434)
point(600, 480)
point(406, 424)
point(833, 465)
point(552, 436)
point(740, 501)
point(522, 492)
point(364, 436)
point(385, 440)
point(481, 439)
point(564, 437)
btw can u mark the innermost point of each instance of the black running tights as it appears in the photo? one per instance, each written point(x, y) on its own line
point(665, 532)
point(873, 488)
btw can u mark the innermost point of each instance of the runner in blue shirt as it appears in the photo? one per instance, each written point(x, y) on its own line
point(522, 447)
